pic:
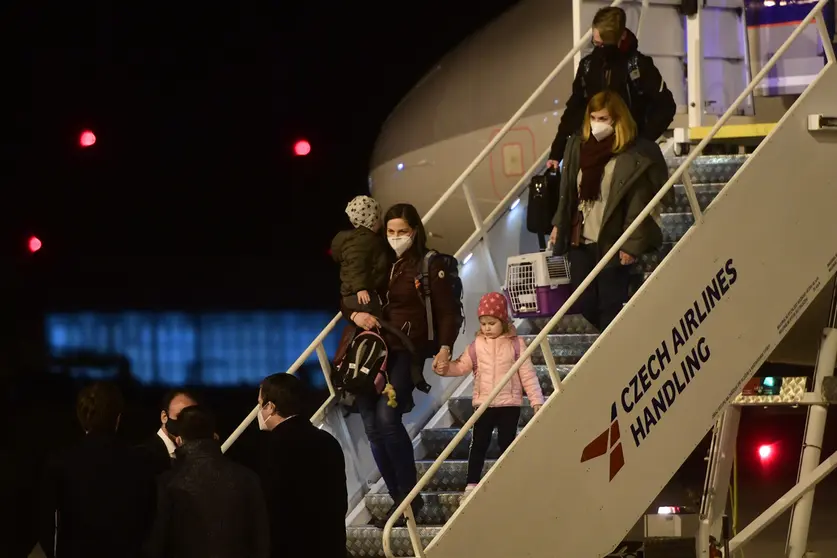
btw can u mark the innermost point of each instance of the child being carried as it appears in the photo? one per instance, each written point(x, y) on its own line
point(363, 256)
point(491, 355)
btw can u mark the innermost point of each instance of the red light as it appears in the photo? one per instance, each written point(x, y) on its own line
point(87, 138)
point(302, 148)
point(765, 452)
point(34, 244)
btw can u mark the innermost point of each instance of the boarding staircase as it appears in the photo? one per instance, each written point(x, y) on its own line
point(569, 341)
point(750, 241)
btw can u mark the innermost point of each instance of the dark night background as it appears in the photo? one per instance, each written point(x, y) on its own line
point(191, 200)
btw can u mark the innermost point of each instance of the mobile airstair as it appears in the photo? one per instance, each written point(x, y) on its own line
point(750, 242)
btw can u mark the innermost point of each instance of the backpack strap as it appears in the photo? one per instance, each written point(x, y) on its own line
point(633, 70)
point(472, 352)
point(425, 291)
point(585, 69)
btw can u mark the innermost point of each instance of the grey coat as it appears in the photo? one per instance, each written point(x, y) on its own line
point(639, 173)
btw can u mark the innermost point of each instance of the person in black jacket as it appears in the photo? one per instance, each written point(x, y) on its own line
point(304, 476)
point(96, 497)
point(207, 505)
point(616, 64)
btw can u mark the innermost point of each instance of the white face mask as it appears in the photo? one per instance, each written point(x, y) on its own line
point(600, 130)
point(262, 420)
point(400, 244)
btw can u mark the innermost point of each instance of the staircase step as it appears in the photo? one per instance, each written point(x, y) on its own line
point(705, 194)
point(710, 169)
point(438, 506)
point(566, 348)
point(435, 440)
point(675, 225)
point(649, 262)
point(367, 541)
point(546, 381)
point(569, 324)
point(451, 476)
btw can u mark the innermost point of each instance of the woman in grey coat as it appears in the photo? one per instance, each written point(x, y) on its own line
point(609, 176)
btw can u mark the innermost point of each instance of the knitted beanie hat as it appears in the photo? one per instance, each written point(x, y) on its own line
point(363, 211)
point(495, 305)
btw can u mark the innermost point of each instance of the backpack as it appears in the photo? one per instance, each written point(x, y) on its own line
point(365, 357)
point(633, 86)
point(472, 352)
point(450, 266)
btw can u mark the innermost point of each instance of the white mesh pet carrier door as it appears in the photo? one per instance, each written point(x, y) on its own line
point(521, 287)
point(558, 268)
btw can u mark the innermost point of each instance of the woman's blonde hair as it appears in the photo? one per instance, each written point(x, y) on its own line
point(624, 126)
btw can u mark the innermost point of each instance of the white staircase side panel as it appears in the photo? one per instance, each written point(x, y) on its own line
point(770, 240)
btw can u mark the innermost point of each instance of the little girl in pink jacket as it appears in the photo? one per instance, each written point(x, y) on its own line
point(491, 355)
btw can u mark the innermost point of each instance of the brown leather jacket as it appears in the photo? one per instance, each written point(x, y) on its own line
point(404, 305)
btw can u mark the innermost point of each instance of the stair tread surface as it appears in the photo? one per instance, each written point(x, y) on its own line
point(435, 440)
point(367, 541)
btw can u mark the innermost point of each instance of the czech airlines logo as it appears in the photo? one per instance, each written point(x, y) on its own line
point(607, 443)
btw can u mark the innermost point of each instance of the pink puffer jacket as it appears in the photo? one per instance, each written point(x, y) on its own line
point(494, 358)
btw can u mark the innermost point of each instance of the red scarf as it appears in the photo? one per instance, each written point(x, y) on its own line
point(595, 155)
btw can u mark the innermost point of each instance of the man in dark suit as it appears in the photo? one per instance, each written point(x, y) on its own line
point(208, 505)
point(303, 477)
point(161, 446)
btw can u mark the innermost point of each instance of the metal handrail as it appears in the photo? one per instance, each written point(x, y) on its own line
point(404, 506)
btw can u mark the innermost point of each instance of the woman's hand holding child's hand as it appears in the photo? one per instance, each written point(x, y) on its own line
point(441, 362)
point(441, 368)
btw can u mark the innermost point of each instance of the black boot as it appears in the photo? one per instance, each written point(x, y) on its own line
point(417, 504)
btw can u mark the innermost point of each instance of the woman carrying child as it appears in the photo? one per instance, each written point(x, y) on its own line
point(491, 355)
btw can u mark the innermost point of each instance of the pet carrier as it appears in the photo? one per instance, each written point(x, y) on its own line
point(537, 285)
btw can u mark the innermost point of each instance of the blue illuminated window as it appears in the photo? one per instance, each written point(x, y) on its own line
point(174, 348)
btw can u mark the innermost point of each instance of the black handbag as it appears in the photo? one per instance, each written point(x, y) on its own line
point(543, 202)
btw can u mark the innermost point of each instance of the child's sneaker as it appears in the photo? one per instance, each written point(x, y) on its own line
point(468, 491)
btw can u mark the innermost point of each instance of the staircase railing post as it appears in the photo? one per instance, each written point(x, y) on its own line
point(480, 229)
point(549, 359)
point(694, 204)
point(694, 68)
point(800, 521)
point(827, 44)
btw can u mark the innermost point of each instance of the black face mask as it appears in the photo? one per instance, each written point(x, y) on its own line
point(172, 427)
